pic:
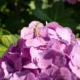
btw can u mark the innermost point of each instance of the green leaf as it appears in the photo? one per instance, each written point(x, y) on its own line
point(4, 31)
point(78, 27)
point(41, 15)
point(2, 49)
point(8, 39)
point(77, 35)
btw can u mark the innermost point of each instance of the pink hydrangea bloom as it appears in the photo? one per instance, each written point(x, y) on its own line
point(71, 1)
point(48, 52)
point(75, 58)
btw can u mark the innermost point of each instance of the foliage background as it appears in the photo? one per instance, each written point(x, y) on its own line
point(15, 14)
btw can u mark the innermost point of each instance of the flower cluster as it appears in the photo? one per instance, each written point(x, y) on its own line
point(71, 1)
point(48, 52)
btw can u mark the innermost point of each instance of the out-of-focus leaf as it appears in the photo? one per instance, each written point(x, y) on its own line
point(69, 23)
point(41, 15)
point(32, 5)
point(78, 27)
point(77, 35)
point(45, 4)
point(2, 49)
point(8, 39)
point(4, 31)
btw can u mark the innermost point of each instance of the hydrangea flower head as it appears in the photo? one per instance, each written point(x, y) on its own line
point(43, 52)
point(71, 1)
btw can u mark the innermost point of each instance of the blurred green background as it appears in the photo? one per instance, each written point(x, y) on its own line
point(15, 14)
